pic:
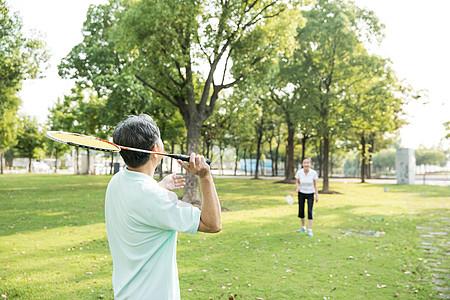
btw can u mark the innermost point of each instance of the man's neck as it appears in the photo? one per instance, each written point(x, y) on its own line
point(147, 169)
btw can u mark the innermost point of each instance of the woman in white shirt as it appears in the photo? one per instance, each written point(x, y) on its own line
point(306, 180)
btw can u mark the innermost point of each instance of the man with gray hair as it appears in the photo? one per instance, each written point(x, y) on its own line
point(143, 217)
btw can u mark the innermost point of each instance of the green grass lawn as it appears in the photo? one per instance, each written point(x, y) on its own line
point(53, 242)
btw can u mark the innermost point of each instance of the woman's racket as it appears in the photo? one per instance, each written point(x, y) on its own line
point(90, 142)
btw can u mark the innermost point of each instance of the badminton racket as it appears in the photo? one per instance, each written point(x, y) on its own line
point(90, 142)
point(289, 199)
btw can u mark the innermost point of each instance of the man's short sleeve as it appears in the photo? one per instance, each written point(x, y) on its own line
point(315, 176)
point(172, 214)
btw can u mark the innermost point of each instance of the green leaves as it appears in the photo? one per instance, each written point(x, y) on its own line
point(30, 140)
point(21, 58)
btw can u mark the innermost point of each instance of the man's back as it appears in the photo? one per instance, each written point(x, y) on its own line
point(142, 220)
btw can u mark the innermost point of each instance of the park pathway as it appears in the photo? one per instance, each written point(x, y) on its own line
point(436, 252)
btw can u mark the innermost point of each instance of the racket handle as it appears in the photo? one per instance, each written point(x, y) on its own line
point(186, 157)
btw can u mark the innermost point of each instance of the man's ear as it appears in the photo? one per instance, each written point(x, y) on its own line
point(156, 148)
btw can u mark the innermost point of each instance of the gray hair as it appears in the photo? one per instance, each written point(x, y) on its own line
point(139, 132)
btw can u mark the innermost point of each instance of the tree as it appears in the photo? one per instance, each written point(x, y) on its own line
point(184, 50)
point(30, 140)
point(429, 157)
point(8, 127)
point(426, 157)
point(272, 135)
point(272, 80)
point(384, 159)
point(330, 52)
point(21, 58)
point(241, 130)
point(61, 118)
point(374, 105)
point(99, 69)
point(216, 130)
point(289, 103)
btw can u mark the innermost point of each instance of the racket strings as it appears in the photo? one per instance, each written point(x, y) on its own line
point(83, 141)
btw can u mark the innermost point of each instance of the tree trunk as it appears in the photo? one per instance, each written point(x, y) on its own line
point(276, 159)
point(320, 158)
point(1, 160)
point(78, 160)
point(221, 159)
point(236, 160)
point(161, 171)
point(245, 161)
point(56, 160)
point(29, 165)
point(290, 154)
point(371, 149)
point(251, 164)
point(211, 153)
point(262, 165)
point(271, 157)
point(326, 152)
point(331, 163)
point(208, 149)
point(363, 159)
point(258, 146)
point(171, 161)
point(258, 154)
point(304, 138)
point(191, 194)
point(112, 163)
point(88, 163)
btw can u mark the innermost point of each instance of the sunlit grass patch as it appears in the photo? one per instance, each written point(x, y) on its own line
point(53, 242)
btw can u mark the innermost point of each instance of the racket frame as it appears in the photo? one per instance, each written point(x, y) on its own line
point(50, 136)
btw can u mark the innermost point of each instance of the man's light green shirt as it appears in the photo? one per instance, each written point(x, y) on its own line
point(142, 221)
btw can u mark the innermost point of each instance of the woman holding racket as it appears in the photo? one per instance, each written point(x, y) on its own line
point(306, 180)
point(143, 217)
